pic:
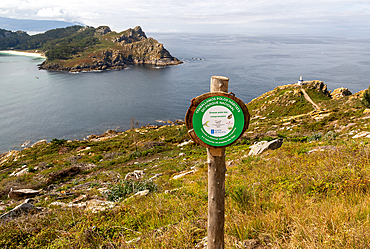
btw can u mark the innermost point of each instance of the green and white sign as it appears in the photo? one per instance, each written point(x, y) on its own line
point(218, 121)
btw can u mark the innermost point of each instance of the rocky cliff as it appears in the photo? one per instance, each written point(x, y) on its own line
point(115, 51)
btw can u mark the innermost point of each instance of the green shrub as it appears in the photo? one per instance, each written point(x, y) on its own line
point(58, 141)
point(31, 169)
point(242, 197)
point(298, 139)
point(330, 136)
point(96, 158)
point(124, 188)
point(316, 136)
point(366, 99)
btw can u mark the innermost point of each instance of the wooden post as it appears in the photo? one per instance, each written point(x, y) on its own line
point(216, 182)
point(215, 132)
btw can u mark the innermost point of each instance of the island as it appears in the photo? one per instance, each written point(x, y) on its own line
point(78, 48)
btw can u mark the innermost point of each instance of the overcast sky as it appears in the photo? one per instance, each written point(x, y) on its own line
point(338, 17)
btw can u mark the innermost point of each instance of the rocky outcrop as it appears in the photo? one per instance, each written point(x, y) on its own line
point(20, 172)
point(108, 59)
point(108, 134)
point(64, 173)
point(136, 175)
point(319, 86)
point(21, 194)
point(22, 209)
point(149, 51)
point(130, 36)
point(102, 30)
point(362, 134)
point(340, 92)
point(8, 156)
point(128, 47)
point(262, 146)
point(93, 205)
point(182, 174)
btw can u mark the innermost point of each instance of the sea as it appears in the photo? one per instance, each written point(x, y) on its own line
point(37, 104)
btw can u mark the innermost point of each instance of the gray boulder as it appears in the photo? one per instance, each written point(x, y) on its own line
point(136, 175)
point(340, 93)
point(21, 194)
point(24, 208)
point(262, 146)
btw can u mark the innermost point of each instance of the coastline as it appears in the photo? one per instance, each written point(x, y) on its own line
point(112, 133)
point(23, 53)
point(93, 137)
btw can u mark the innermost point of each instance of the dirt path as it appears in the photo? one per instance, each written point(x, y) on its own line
point(315, 106)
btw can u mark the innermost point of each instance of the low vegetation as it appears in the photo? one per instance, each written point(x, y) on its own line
point(313, 192)
point(366, 98)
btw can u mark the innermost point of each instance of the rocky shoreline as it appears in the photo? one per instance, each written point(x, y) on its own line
point(109, 60)
point(317, 85)
point(93, 137)
point(110, 64)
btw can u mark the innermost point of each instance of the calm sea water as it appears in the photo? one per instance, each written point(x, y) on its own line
point(38, 105)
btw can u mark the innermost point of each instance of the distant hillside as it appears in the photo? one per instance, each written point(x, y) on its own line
point(20, 40)
point(100, 49)
point(10, 39)
point(31, 25)
point(78, 48)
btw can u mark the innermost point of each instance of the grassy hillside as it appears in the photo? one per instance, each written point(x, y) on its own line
point(313, 192)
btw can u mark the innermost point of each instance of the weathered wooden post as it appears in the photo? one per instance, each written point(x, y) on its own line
point(216, 181)
point(216, 120)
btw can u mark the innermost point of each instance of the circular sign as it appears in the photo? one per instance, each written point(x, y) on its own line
point(218, 121)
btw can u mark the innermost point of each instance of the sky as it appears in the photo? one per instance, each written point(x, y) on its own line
point(321, 17)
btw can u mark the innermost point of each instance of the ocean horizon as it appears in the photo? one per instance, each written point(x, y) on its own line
point(38, 104)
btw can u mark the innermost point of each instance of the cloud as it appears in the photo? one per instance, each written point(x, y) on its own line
point(197, 16)
point(54, 12)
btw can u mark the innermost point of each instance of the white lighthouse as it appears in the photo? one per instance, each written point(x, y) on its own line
point(300, 81)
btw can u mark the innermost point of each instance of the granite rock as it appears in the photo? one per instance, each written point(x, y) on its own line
point(262, 146)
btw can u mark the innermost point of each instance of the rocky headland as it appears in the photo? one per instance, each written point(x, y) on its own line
point(115, 51)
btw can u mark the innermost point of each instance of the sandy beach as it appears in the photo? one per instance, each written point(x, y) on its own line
point(22, 53)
